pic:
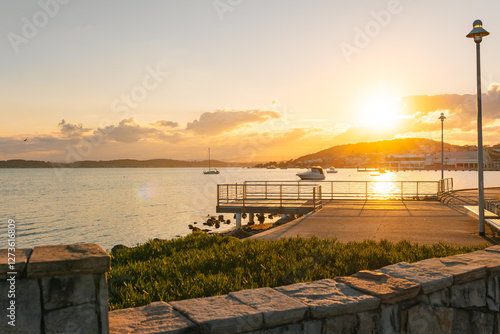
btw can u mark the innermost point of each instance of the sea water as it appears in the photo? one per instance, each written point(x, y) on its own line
point(128, 206)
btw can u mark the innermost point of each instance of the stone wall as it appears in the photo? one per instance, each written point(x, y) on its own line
point(457, 294)
point(57, 289)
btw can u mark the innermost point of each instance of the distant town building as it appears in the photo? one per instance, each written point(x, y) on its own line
point(452, 160)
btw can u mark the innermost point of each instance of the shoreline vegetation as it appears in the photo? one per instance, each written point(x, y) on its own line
point(204, 265)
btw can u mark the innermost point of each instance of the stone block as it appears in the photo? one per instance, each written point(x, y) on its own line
point(81, 319)
point(277, 308)
point(493, 294)
point(369, 322)
point(28, 310)
point(21, 256)
point(428, 279)
point(312, 327)
point(423, 319)
point(68, 259)
point(490, 260)
point(389, 289)
point(461, 322)
point(347, 323)
point(390, 319)
point(286, 329)
point(102, 301)
point(482, 323)
point(327, 298)
point(493, 249)
point(220, 314)
point(68, 290)
point(468, 295)
point(155, 318)
point(462, 270)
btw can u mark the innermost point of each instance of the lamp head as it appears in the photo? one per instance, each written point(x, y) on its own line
point(442, 117)
point(477, 31)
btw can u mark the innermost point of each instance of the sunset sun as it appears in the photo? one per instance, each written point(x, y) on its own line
point(380, 112)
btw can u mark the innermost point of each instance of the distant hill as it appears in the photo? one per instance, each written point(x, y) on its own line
point(122, 163)
point(367, 154)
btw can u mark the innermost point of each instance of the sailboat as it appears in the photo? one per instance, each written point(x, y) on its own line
point(210, 171)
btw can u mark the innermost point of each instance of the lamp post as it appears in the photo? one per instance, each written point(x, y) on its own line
point(478, 33)
point(442, 118)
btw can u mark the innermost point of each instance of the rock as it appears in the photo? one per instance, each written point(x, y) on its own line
point(482, 323)
point(21, 256)
point(467, 295)
point(423, 319)
point(389, 289)
point(347, 323)
point(462, 270)
point(277, 308)
point(311, 327)
point(326, 298)
point(493, 294)
point(68, 259)
point(428, 279)
point(158, 317)
point(390, 319)
point(493, 249)
point(490, 260)
point(28, 307)
point(117, 247)
point(81, 319)
point(220, 314)
point(68, 290)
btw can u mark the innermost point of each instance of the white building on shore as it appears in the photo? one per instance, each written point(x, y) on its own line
point(452, 160)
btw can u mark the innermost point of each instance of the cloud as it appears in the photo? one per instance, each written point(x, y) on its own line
point(129, 131)
point(167, 124)
point(71, 129)
point(217, 122)
point(460, 110)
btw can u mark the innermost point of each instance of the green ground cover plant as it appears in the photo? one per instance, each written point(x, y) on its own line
point(202, 265)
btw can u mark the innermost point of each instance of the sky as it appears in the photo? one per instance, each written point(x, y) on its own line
point(254, 80)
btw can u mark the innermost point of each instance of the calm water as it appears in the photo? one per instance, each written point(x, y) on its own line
point(130, 206)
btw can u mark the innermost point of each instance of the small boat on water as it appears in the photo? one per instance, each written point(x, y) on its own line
point(313, 173)
point(331, 170)
point(271, 167)
point(210, 171)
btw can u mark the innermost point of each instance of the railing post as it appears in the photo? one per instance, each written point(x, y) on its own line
point(265, 189)
point(244, 193)
point(281, 196)
point(298, 190)
point(331, 190)
point(314, 197)
point(366, 189)
point(227, 193)
point(218, 195)
point(417, 190)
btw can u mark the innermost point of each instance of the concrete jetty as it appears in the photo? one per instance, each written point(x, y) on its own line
point(423, 222)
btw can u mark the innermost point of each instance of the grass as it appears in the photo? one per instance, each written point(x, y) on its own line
point(202, 265)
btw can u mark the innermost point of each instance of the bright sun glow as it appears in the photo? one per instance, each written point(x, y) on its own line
point(380, 112)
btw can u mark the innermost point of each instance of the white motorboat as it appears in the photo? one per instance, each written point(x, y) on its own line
point(271, 167)
point(313, 173)
point(210, 171)
point(331, 170)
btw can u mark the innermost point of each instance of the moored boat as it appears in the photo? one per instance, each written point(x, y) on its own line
point(313, 173)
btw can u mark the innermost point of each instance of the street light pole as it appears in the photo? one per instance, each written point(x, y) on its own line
point(442, 118)
point(477, 33)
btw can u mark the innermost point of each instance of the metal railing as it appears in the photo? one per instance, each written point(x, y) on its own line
point(445, 186)
point(361, 189)
point(268, 193)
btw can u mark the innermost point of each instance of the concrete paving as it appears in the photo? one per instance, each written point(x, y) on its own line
point(423, 222)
